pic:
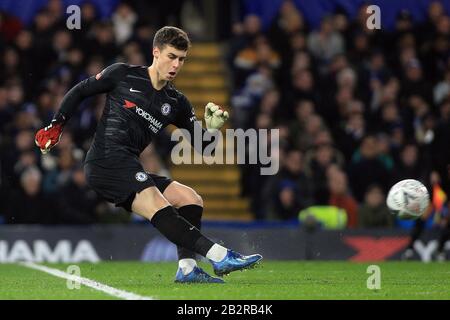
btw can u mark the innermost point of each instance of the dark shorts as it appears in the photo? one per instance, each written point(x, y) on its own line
point(120, 185)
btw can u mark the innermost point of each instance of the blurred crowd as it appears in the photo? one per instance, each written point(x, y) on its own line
point(38, 65)
point(357, 109)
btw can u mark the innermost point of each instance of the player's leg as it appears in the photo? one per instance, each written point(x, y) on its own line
point(135, 190)
point(151, 204)
point(444, 236)
point(189, 205)
point(417, 230)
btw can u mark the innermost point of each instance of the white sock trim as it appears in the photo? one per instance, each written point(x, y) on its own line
point(216, 253)
point(187, 265)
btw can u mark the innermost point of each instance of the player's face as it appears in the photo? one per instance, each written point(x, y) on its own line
point(169, 61)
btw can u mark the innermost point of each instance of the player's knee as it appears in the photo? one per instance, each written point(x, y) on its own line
point(148, 202)
point(190, 198)
point(197, 199)
point(180, 195)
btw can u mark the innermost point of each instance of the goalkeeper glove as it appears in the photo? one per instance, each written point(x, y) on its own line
point(49, 136)
point(215, 117)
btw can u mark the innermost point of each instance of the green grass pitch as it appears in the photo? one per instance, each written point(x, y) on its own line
point(274, 280)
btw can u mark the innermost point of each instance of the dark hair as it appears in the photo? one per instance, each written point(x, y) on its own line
point(172, 36)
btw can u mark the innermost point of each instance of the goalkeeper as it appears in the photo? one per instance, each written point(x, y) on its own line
point(140, 102)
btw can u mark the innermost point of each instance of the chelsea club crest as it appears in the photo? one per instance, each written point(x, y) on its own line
point(141, 176)
point(165, 109)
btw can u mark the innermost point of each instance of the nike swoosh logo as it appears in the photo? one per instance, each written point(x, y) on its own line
point(191, 228)
point(132, 90)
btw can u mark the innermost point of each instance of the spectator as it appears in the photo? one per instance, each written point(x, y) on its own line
point(123, 20)
point(287, 203)
point(289, 191)
point(366, 169)
point(301, 61)
point(6, 112)
point(317, 161)
point(434, 13)
point(373, 213)
point(18, 157)
point(243, 34)
point(326, 42)
point(359, 51)
point(10, 64)
point(143, 36)
point(246, 100)
point(414, 82)
point(89, 16)
point(384, 151)
point(286, 26)
point(390, 117)
point(59, 172)
point(10, 26)
point(303, 88)
point(103, 42)
point(29, 205)
point(77, 202)
point(61, 43)
point(409, 165)
point(306, 131)
point(350, 135)
point(251, 173)
point(270, 104)
point(441, 145)
point(257, 53)
point(442, 89)
point(340, 195)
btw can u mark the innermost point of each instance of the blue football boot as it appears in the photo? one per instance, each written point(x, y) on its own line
point(197, 275)
point(235, 261)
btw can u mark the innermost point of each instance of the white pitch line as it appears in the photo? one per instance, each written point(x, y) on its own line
point(87, 282)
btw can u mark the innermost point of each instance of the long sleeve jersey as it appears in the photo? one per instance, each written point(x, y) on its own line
point(134, 111)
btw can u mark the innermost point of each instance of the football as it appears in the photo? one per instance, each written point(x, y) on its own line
point(408, 199)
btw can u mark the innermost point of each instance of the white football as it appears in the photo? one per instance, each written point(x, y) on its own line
point(408, 199)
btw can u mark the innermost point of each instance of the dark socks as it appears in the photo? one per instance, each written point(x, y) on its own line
point(193, 214)
point(175, 228)
point(445, 235)
point(416, 232)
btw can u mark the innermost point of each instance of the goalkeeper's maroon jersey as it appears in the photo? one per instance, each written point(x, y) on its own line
point(134, 111)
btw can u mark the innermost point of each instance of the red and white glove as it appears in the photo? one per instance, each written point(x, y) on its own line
point(49, 136)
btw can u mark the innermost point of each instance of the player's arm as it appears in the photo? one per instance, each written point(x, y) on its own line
point(105, 81)
point(215, 117)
